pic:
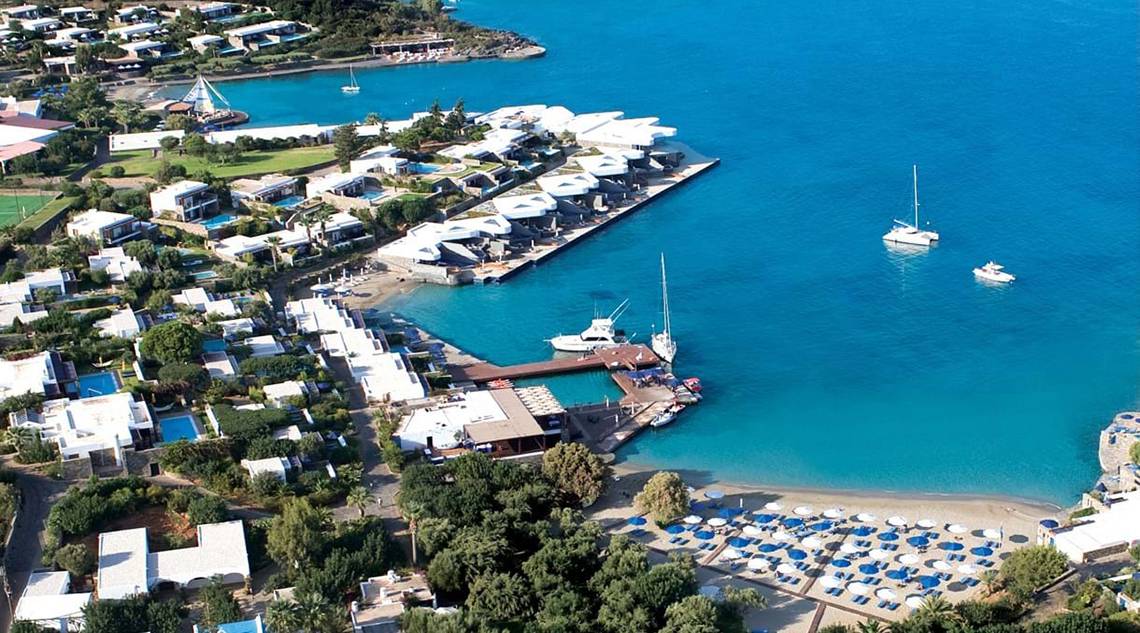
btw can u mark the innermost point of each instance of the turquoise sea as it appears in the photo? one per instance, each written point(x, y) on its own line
point(828, 360)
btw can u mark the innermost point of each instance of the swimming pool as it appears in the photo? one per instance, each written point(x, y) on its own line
point(202, 275)
point(289, 202)
point(372, 195)
point(101, 384)
point(179, 427)
point(218, 221)
point(213, 345)
point(423, 168)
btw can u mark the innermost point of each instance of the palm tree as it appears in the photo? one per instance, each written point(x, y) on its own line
point(18, 436)
point(273, 242)
point(283, 616)
point(989, 579)
point(359, 498)
point(318, 615)
point(871, 626)
point(937, 609)
point(412, 511)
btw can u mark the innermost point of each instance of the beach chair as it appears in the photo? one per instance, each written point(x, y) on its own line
point(894, 605)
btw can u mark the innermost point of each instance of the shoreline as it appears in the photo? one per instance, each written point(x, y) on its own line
point(144, 88)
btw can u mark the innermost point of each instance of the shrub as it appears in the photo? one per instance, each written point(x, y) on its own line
point(206, 509)
point(76, 559)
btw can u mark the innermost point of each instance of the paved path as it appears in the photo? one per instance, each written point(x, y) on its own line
point(37, 494)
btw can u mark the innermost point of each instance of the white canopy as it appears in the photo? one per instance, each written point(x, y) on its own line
point(830, 582)
point(832, 513)
point(785, 569)
point(879, 554)
point(908, 559)
point(857, 588)
point(967, 570)
point(692, 519)
point(811, 542)
point(848, 548)
point(731, 553)
point(717, 522)
point(714, 494)
point(756, 564)
point(773, 506)
point(925, 524)
point(781, 535)
point(752, 530)
point(865, 517)
point(896, 521)
point(957, 528)
point(941, 565)
point(992, 533)
point(886, 594)
point(914, 601)
point(802, 511)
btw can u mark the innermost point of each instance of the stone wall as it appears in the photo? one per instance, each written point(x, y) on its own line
point(138, 462)
point(1117, 439)
point(77, 469)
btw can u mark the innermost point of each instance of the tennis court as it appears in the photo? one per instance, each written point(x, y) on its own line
point(10, 206)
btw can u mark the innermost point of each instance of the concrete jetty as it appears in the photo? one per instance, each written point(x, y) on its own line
point(620, 357)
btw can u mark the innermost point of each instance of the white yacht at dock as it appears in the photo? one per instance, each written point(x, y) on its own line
point(600, 334)
point(662, 342)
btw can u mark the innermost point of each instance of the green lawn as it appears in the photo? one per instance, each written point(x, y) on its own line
point(140, 163)
point(10, 206)
point(48, 212)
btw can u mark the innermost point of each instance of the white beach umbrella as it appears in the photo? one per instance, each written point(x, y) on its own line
point(992, 533)
point(914, 601)
point(925, 524)
point(967, 570)
point(896, 521)
point(692, 519)
point(865, 517)
point(832, 513)
point(756, 564)
point(858, 588)
point(752, 530)
point(941, 565)
point(781, 535)
point(811, 542)
point(957, 528)
point(802, 511)
point(717, 522)
point(830, 582)
point(879, 554)
point(848, 548)
point(731, 553)
point(785, 569)
point(773, 506)
point(886, 594)
point(908, 559)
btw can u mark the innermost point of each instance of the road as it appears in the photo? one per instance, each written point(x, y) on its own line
point(37, 495)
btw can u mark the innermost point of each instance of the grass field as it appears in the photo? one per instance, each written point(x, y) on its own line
point(140, 163)
point(49, 212)
point(10, 206)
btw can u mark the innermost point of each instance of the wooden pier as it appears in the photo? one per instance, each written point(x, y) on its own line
point(625, 357)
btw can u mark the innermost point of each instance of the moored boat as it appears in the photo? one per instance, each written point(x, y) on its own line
point(600, 334)
point(911, 234)
point(993, 272)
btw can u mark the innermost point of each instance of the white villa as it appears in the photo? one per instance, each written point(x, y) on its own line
point(98, 428)
point(427, 242)
point(128, 568)
point(47, 600)
point(105, 227)
point(23, 291)
point(44, 373)
point(1113, 528)
point(186, 200)
point(123, 323)
point(202, 301)
point(265, 345)
point(116, 262)
point(383, 599)
point(498, 421)
point(279, 467)
point(279, 394)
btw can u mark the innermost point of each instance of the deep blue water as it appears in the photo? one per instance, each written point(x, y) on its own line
point(828, 360)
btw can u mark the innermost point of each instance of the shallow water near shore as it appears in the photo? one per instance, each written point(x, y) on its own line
point(828, 360)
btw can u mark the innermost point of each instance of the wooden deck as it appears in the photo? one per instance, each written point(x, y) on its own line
point(621, 357)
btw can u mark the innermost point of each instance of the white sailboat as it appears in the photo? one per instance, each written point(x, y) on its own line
point(662, 342)
point(905, 233)
point(352, 87)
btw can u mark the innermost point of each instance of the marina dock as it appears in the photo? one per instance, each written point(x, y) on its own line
point(613, 358)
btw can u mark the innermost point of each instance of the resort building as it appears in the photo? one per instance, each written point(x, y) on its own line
point(525, 206)
point(78, 15)
point(54, 279)
point(287, 244)
point(134, 14)
point(279, 394)
point(22, 312)
point(185, 200)
point(383, 599)
point(69, 37)
point(128, 568)
point(234, 328)
point(316, 315)
point(146, 49)
point(116, 262)
point(258, 36)
point(338, 230)
point(220, 365)
point(22, 12)
point(497, 144)
point(348, 185)
point(123, 323)
point(212, 43)
point(133, 32)
point(457, 242)
point(420, 44)
point(215, 10)
point(384, 376)
point(106, 227)
point(40, 25)
point(44, 373)
point(265, 345)
point(268, 189)
point(47, 601)
point(98, 428)
point(1113, 528)
point(382, 159)
point(279, 467)
point(202, 301)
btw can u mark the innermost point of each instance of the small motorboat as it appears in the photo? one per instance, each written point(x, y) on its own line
point(693, 384)
point(993, 272)
point(600, 334)
point(667, 416)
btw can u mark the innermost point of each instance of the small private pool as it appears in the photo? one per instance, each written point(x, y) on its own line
point(214, 345)
point(101, 384)
point(203, 275)
point(289, 202)
point(179, 427)
point(218, 221)
point(372, 195)
point(423, 168)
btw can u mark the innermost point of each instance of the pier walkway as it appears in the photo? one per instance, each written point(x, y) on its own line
point(621, 357)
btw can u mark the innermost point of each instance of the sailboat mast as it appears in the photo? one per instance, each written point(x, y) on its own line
point(915, 167)
point(664, 295)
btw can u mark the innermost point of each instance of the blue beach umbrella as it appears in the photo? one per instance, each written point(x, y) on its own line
point(822, 526)
point(637, 520)
point(888, 536)
point(768, 548)
point(951, 546)
point(1049, 524)
point(793, 522)
point(982, 551)
point(841, 562)
point(918, 541)
point(738, 542)
point(862, 530)
point(797, 554)
point(704, 535)
point(868, 568)
point(897, 574)
point(764, 518)
point(928, 582)
point(675, 529)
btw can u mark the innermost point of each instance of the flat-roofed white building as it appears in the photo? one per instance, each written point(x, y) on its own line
point(268, 189)
point(285, 242)
point(382, 159)
point(22, 312)
point(132, 32)
point(265, 345)
point(128, 568)
point(1113, 528)
point(496, 143)
point(339, 229)
point(41, 25)
point(279, 394)
point(316, 315)
point(67, 38)
point(279, 467)
point(98, 428)
point(604, 165)
point(235, 327)
point(106, 227)
point(568, 185)
point(47, 600)
point(22, 12)
point(498, 422)
point(185, 200)
point(202, 301)
point(258, 36)
point(78, 15)
point(423, 243)
point(220, 365)
point(384, 376)
point(524, 206)
point(216, 10)
point(122, 323)
point(116, 262)
point(24, 290)
point(350, 185)
point(383, 599)
point(44, 373)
